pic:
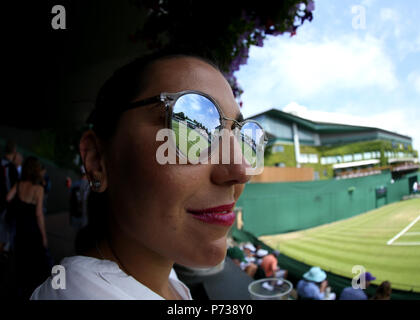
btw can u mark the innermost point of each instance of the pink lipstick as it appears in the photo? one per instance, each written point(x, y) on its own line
point(221, 215)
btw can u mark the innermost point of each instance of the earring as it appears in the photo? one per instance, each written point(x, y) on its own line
point(95, 184)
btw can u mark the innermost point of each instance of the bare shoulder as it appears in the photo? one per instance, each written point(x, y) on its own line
point(39, 191)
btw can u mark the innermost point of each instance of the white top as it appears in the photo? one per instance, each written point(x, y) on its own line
point(88, 278)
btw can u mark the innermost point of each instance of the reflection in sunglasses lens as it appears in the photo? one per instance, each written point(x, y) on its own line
point(196, 122)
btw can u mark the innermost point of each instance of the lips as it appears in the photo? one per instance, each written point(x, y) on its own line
point(221, 215)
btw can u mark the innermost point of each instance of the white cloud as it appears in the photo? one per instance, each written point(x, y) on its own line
point(414, 80)
point(296, 109)
point(389, 14)
point(367, 3)
point(307, 68)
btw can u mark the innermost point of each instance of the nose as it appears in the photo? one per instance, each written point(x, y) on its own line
point(231, 167)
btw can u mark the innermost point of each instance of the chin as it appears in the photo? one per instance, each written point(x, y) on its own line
point(207, 256)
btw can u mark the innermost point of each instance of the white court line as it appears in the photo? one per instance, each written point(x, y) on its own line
point(406, 244)
point(412, 233)
point(403, 231)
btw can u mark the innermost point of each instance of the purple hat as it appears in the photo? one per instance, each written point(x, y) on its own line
point(368, 276)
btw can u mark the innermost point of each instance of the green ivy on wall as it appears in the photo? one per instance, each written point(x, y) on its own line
point(287, 156)
point(326, 171)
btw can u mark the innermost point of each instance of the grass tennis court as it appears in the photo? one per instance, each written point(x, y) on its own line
point(386, 241)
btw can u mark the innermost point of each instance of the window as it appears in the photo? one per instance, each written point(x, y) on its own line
point(367, 155)
point(316, 175)
point(331, 160)
point(378, 154)
point(309, 158)
point(313, 158)
point(339, 159)
point(277, 148)
point(280, 164)
point(358, 157)
point(400, 154)
point(326, 160)
point(348, 157)
point(303, 158)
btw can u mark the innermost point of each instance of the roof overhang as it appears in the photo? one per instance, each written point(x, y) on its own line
point(325, 127)
point(355, 164)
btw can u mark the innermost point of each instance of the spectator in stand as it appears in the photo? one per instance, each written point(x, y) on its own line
point(314, 286)
point(8, 178)
point(260, 253)
point(251, 256)
point(351, 293)
point(383, 292)
point(238, 257)
point(270, 266)
point(249, 251)
point(415, 187)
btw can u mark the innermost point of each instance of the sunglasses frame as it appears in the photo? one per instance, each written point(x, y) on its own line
point(169, 100)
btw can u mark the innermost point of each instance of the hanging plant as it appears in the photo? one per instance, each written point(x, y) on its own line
point(221, 32)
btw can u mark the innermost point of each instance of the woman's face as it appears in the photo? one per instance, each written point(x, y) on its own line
point(151, 202)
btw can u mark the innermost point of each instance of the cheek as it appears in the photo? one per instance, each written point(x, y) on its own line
point(141, 182)
point(143, 192)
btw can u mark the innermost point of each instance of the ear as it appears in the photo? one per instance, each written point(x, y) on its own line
point(93, 157)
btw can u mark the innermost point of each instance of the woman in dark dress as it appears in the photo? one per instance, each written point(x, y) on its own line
point(26, 201)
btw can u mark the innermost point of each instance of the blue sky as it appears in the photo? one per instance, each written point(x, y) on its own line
point(357, 62)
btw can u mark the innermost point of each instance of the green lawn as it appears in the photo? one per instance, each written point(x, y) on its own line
point(362, 240)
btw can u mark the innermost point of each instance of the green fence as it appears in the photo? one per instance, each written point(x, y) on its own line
point(272, 208)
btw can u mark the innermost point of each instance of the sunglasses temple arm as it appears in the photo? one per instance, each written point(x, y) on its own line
point(142, 103)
